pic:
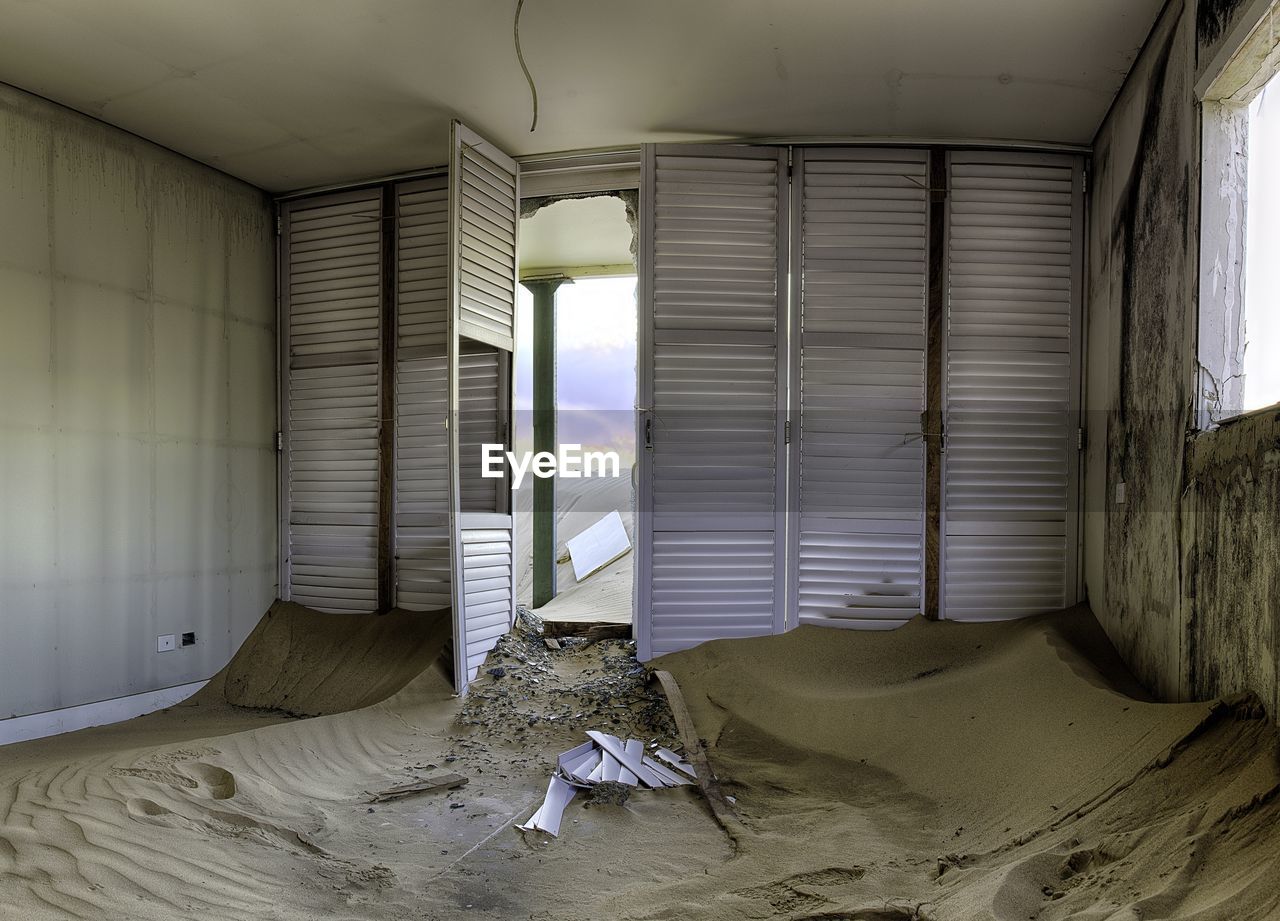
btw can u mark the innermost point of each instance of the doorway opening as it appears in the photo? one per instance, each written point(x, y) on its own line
point(575, 396)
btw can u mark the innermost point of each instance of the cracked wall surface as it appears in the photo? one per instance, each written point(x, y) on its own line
point(1185, 574)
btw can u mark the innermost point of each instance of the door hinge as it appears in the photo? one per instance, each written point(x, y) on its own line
point(279, 225)
point(1082, 438)
point(786, 432)
point(648, 434)
point(279, 442)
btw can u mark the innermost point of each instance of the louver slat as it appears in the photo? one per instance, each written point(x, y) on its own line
point(1011, 385)
point(862, 228)
point(422, 395)
point(716, 256)
point(332, 295)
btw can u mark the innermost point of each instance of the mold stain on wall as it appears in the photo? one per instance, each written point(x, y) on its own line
point(1188, 580)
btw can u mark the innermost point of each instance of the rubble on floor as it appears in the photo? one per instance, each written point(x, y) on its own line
point(527, 689)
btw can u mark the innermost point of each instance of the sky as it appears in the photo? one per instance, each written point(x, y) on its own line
point(596, 365)
point(1262, 252)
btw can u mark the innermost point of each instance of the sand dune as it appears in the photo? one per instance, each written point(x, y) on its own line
point(1004, 771)
point(986, 771)
point(306, 665)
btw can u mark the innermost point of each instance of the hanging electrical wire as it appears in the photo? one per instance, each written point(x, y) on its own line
point(533, 90)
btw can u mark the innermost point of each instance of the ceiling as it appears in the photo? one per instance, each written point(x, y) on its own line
point(288, 94)
point(577, 236)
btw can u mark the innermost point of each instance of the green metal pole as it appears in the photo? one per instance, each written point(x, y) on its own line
point(544, 435)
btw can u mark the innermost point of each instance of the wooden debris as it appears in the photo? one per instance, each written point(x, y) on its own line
point(593, 630)
point(600, 632)
point(443, 781)
point(696, 755)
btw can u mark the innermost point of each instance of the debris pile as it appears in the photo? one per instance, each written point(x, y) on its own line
point(610, 762)
point(529, 690)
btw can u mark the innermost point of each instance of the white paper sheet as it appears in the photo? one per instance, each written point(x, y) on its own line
point(598, 546)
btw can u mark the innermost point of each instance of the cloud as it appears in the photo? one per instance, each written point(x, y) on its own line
point(595, 367)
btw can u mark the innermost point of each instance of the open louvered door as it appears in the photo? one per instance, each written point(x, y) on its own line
point(331, 303)
point(711, 491)
point(484, 204)
point(859, 382)
point(1012, 374)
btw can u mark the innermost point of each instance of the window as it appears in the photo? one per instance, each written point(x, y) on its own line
point(1262, 252)
point(1239, 334)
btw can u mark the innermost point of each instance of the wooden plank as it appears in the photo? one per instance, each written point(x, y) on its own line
point(933, 420)
point(592, 630)
point(386, 429)
point(721, 808)
point(445, 781)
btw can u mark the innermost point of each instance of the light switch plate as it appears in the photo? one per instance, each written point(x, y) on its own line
point(166, 642)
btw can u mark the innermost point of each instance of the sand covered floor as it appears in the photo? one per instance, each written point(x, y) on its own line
point(603, 597)
point(939, 771)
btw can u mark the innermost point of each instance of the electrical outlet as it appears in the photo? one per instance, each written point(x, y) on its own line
point(1120, 493)
point(166, 642)
point(188, 639)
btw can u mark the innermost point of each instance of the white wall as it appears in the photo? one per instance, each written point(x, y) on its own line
point(137, 411)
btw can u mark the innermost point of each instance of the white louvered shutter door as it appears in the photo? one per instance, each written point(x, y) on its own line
point(862, 225)
point(712, 545)
point(484, 208)
point(332, 303)
point(1011, 385)
point(422, 531)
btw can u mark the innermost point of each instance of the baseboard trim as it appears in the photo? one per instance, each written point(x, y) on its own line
point(69, 719)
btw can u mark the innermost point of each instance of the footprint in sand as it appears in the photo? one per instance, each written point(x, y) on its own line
point(211, 780)
point(142, 808)
point(802, 891)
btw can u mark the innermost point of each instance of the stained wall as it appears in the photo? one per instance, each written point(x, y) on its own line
point(1184, 573)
